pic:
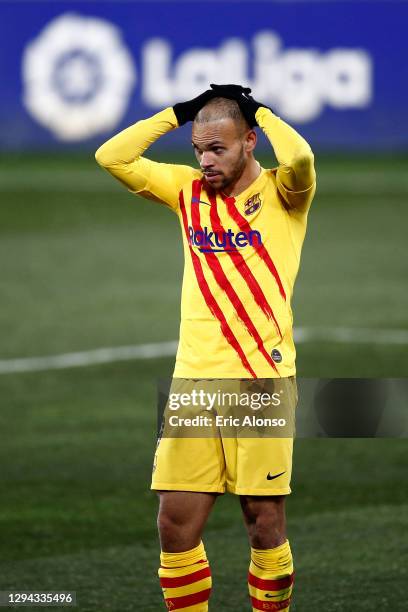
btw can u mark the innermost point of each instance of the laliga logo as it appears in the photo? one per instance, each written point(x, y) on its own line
point(78, 77)
point(296, 83)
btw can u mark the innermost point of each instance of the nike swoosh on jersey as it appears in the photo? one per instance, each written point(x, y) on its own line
point(195, 201)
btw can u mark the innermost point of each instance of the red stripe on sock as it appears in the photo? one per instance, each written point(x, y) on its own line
point(225, 285)
point(259, 248)
point(242, 267)
point(209, 298)
point(269, 605)
point(176, 603)
point(179, 581)
point(270, 585)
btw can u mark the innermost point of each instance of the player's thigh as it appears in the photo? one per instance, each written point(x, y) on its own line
point(271, 509)
point(181, 519)
point(181, 508)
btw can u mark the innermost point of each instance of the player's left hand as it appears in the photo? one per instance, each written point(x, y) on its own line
point(240, 94)
point(186, 111)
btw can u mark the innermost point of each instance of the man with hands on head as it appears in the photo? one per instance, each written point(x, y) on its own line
point(243, 228)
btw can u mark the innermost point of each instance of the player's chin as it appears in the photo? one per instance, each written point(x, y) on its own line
point(216, 181)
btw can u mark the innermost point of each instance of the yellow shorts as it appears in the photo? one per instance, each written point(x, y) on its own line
point(239, 465)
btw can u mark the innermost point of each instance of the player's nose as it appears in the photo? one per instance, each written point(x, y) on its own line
point(206, 160)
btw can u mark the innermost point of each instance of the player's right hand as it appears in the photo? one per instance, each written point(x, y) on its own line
point(186, 111)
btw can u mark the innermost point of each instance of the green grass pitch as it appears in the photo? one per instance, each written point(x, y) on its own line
point(86, 265)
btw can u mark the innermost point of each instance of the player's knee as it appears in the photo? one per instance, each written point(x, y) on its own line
point(255, 509)
point(177, 535)
point(168, 524)
point(265, 524)
point(265, 532)
point(165, 523)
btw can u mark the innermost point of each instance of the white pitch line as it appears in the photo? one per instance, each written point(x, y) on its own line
point(350, 335)
point(85, 358)
point(344, 335)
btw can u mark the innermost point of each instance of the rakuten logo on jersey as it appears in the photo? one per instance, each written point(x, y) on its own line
point(209, 241)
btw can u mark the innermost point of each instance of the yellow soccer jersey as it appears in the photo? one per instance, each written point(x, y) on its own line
point(241, 254)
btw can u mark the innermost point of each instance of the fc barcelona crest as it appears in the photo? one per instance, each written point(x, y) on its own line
point(252, 204)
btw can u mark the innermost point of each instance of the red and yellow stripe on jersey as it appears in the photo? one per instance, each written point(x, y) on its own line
point(241, 253)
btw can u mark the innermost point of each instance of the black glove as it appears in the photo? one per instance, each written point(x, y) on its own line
point(240, 94)
point(186, 111)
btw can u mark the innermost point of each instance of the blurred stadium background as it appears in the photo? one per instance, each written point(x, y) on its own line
point(84, 265)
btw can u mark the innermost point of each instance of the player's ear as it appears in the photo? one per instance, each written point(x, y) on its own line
point(250, 141)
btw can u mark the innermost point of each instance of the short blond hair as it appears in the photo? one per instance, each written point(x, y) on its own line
point(222, 108)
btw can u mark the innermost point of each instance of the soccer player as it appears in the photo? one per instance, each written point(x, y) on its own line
point(242, 229)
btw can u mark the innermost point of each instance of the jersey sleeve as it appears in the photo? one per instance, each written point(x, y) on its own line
point(122, 157)
point(295, 175)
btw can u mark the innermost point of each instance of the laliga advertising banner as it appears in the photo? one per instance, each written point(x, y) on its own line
point(73, 73)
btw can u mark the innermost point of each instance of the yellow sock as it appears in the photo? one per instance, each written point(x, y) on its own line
point(270, 578)
point(185, 579)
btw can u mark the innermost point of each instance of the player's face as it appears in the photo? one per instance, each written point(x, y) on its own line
point(222, 150)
